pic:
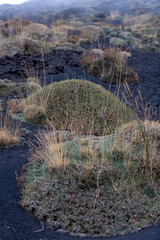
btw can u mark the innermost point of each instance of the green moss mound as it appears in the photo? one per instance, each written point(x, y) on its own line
point(81, 106)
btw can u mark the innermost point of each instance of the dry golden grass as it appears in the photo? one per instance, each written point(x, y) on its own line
point(50, 150)
point(60, 33)
point(35, 114)
point(9, 131)
point(86, 152)
point(15, 105)
point(133, 129)
point(87, 58)
point(35, 31)
point(34, 84)
point(34, 87)
point(110, 65)
point(33, 79)
point(25, 28)
point(117, 54)
point(110, 53)
point(16, 25)
point(7, 138)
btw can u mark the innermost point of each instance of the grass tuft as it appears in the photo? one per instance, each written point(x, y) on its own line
point(9, 131)
point(110, 65)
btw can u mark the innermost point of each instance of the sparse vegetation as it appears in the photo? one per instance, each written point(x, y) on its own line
point(95, 186)
point(110, 66)
point(8, 87)
point(15, 106)
point(9, 131)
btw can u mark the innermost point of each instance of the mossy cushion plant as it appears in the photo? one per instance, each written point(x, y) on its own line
point(81, 106)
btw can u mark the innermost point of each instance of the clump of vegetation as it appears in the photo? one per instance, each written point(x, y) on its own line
point(34, 84)
point(110, 66)
point(29, 46)
point(8, 87)
point(14, 27)
point(34, 87)
point(91, 32)
point(136, 131)
point(35, 31)
point(80, 106)
point(33, 79)
point(9, 131)
point(35, 114)
point(15, 106)
point(94, 186)
point(118, 42)
point(8, 138)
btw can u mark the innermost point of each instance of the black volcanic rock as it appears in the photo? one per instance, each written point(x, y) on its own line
point(15, 68)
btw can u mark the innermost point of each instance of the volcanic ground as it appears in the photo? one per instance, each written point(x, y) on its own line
point(15, 222)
